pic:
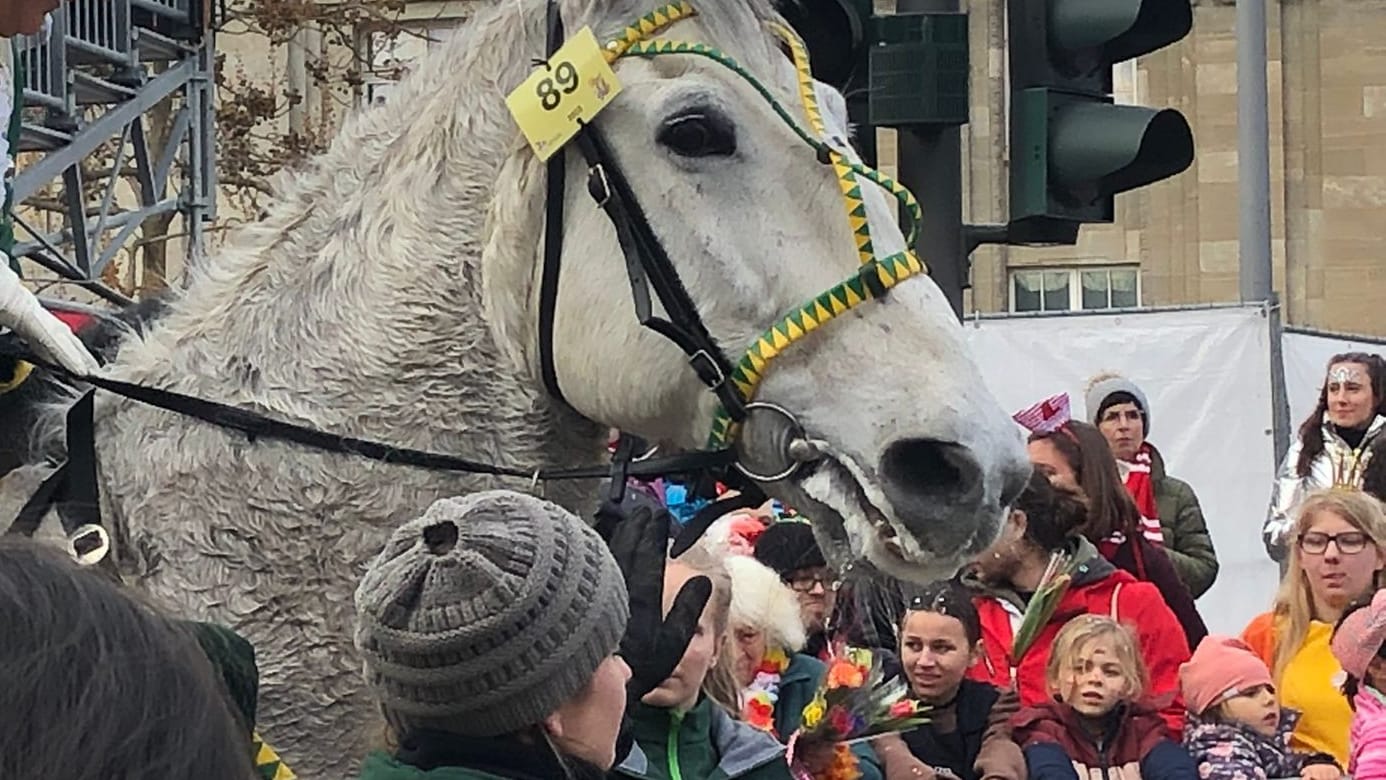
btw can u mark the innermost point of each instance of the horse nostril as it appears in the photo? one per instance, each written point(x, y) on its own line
point(927, 470)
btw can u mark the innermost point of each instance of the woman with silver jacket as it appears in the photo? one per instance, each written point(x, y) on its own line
point(1334, 442)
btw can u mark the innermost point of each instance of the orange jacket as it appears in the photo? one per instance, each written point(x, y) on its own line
point(1259, 635)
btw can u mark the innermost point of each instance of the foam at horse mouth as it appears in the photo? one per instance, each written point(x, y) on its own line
point(840, 486)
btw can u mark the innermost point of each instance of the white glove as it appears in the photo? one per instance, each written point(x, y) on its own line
point(50, 338)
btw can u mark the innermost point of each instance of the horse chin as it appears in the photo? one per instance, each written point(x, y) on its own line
point(850, 512)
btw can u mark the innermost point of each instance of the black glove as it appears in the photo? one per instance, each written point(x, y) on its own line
point(654, 644)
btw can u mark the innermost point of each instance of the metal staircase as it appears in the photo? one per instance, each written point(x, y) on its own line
point(90, 88)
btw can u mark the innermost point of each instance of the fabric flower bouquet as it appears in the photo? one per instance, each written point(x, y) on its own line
point(854, 702)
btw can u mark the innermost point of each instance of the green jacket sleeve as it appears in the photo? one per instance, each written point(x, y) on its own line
point(1187, 540)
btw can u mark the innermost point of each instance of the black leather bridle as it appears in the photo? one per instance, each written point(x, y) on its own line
point(647, 264)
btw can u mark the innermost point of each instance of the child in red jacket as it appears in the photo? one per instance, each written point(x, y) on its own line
point(1097, 726)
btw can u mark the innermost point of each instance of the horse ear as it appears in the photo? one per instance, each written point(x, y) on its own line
point(512, 245)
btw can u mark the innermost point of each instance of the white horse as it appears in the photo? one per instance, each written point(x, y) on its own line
point(391, 292)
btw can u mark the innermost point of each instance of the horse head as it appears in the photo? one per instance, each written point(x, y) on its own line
point(914, 462)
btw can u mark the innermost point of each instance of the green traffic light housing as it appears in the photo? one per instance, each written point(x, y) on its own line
point(1117, 148)
point(1070, 152)
point(1072, 148)
point(1074, 43)
point(1117, 30)
point(918, 70)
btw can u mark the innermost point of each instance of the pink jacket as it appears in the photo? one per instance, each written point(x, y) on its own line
point(1367, 739)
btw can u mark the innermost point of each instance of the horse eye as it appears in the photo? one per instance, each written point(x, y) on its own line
point(698, 135)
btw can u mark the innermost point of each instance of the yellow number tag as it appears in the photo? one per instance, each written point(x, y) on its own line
point(576, 84)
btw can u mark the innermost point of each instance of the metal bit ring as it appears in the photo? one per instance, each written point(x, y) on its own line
point(801, 449)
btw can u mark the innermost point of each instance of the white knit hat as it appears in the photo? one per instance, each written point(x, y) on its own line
point(762, 601)
point(1103, 386)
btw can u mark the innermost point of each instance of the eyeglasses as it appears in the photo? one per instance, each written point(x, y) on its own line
point(1116, 415)
point(1349, 542)
point(804, 583)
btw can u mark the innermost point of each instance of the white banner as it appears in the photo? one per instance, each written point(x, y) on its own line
point(1306, 363)
point(1206, 374)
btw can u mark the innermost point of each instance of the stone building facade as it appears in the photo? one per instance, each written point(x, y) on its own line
point(1175, 242)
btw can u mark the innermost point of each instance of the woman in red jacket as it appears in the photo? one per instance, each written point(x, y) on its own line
point(1047, 520)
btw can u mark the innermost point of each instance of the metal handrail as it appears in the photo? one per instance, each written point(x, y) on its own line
point(86, 82)
point(44, 63)
point(100, 34)
point(100, 28)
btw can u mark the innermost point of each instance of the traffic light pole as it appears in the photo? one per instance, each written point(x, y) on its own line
point(930, 163)
point(1253, 154)
point(929, 159)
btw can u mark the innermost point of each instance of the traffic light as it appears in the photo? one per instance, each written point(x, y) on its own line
point(837, 33)
point(834, 31)
point(1072, 147)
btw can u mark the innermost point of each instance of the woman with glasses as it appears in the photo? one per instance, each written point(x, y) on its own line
point(1337, 554)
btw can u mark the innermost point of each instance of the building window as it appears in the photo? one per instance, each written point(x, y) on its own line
point(392, 54)
point(1074, 289)
point(1126, 86)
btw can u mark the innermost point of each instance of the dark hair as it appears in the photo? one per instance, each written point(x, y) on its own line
point(98, 686)
point(1110, 506)
point(1052, 515)
point(1120, 397)
point(1352, 683)
point(1311, 430)
point(946, 597)
point(788, 546)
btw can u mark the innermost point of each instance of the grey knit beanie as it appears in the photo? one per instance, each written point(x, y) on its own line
point(483, 616)
point(1104, 385)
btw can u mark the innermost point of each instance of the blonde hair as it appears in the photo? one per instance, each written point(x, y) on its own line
point(1082, 630)
point(1294, 608)
point(719, 685)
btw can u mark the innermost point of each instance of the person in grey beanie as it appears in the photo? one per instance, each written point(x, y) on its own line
point(1169, 506)
point(489, 629)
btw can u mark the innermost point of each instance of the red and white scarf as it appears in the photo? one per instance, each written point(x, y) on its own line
point(1142, 488)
